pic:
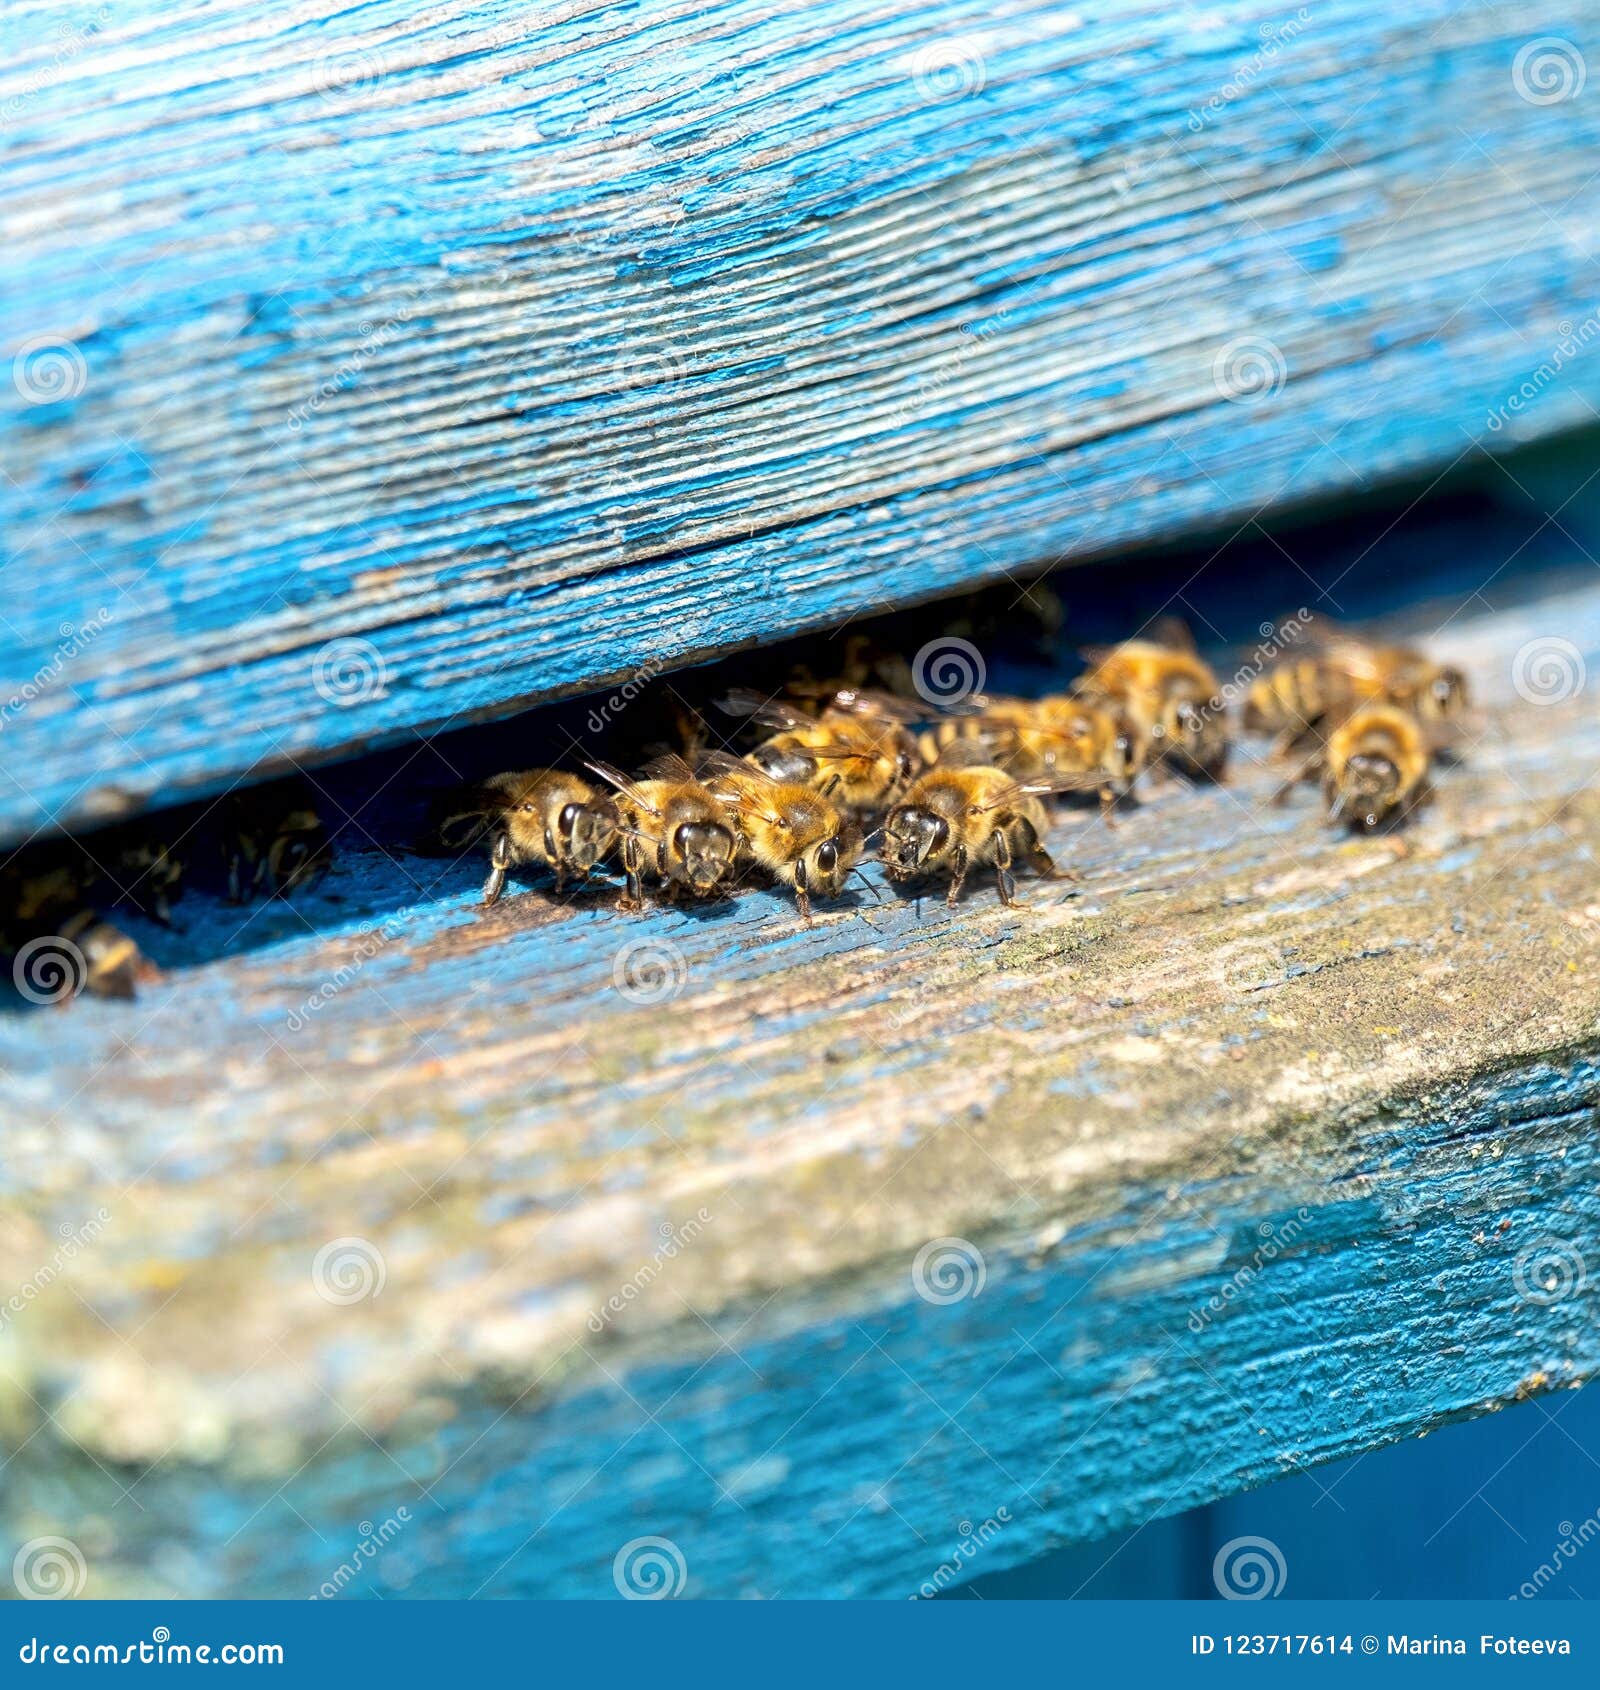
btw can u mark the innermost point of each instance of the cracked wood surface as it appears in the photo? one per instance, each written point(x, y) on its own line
point(529, 358)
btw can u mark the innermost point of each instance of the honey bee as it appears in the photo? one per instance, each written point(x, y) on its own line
point(1292, 697)
point(681, 824)
point(113, 963)
point(863, 661)
point(1374, 766)
point(954, 819)
point(1172, 694)
point(542, 817)
point(1337, 670)
point(859, 751)
point(144, 871)
point(273, 842)
point(61, 944)
point(791, 830)
point(1067, 738)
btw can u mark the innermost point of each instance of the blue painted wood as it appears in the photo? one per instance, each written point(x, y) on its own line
point(1494, 1509)
point(896, 1445)
point(529, 360)
point(614, 1266)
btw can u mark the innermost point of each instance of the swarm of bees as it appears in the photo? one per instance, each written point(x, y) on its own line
point(830, 770)
point(263, 843)
point(838, 768)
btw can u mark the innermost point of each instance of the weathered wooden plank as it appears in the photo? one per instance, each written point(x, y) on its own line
point(1275, 1146)
point(528, 359)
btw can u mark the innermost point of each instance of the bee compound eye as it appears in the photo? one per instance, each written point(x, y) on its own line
point(827, 856)
point(569, 817)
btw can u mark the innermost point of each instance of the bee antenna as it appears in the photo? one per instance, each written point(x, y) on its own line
point(877, 896)
point(867, 838)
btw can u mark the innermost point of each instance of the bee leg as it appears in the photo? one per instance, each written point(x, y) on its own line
point(958, 874)
point(1004, 876)
point(802, 893)
point(1046, 867)
point(1040, 860)
point(1006, 880)
point(499, 862)
point(1108, 804)
point(1302, 771)
point(633, 898)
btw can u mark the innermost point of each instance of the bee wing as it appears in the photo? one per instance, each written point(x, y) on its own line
point(822, 753)
point(1317, 636)
point(711, 766)
point(731, 779)
point(1013, 790)
point(879, 705)
point(616, 778)
point(770, 712)
point(670, 767)
point(1095, 655)
point(972, 751)
point(1173, 633)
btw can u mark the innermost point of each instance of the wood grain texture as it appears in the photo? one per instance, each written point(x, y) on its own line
point(1274, 1146)
point(530, 357)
